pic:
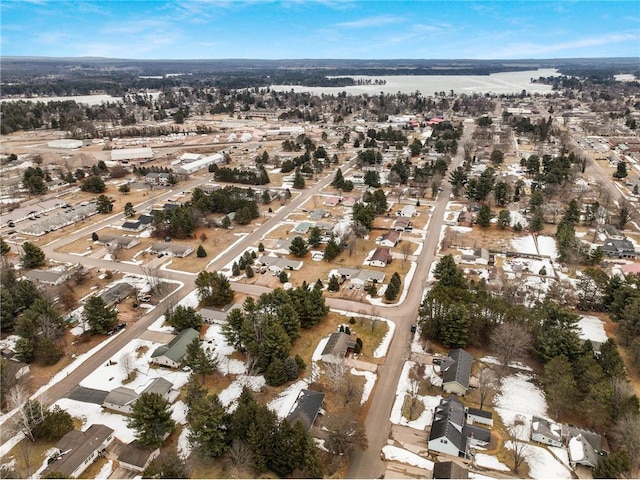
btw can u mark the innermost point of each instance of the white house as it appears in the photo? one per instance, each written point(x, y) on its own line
point(171, 354)
point(546, 431)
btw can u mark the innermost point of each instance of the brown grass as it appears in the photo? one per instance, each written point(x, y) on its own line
point(418, 408)
point(28, 455)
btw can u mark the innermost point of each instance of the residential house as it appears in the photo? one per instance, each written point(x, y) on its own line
point(337, 347)
point(306, 408)
point(117, 293)
point(332, 201)
point(137, 458)
point(359, 276)
point(451, 433)
point(121, 399)
point(349, 201)
point(445, 435)
point(402, 225)
point(302, 228)
point(612, 233)
point(390, 239)
point(380, 258)
point(466, 218)
point(619, 248)
point(48, 277)
point(318, 214)
point(408, 211)
point(479, 256)
point(154, 178)
point(173, 249)
point(585, 446)
point(118, 241)
point(171, 354)
point(456, 370)
point(77, 450)
point(546, 431)
point(216, 315)
point(277, 264)
point(133, 225)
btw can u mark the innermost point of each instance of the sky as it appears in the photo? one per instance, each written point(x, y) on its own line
point(341, 29)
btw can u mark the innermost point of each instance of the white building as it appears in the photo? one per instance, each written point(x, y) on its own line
point(191, 167)
point(65, 143)
point(143, 153)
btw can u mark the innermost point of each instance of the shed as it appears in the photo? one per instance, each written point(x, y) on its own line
point(448, 470)
point(475, 415)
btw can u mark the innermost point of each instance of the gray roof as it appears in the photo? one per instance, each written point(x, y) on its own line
point(613, 246)
point(444, 428)
point(121, 396)
point(460, 370)
point(279, 262)
point(46, 276)
point(218, 314)
point(338, 344)
point(543, 426)
point(177, 348)
point(306, 408)
point(478, 433)
point(158, 385)
point(452, 409)
point(78, 446)
point(117, 292)
point(131, 225)
point(479, 413)
point(361, 274)
point(117, 240)
point(136, 455)
point(174, 248)
point(594, 439)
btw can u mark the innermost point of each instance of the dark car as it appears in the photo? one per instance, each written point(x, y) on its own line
point(414, 327)
point(121, 326)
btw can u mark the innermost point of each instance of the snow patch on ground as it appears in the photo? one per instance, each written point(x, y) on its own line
point(495, 361)
point(404, 387)
point(284, 402)
point(90, 413)
point(370, 381)
point(524, 245)
point(519, 399)
point(184, 447)
point(488, 461)
point(106, 470)
point(547, 246)
point(542, 464)
point(397, 454)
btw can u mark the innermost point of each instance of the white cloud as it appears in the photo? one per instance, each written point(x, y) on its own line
point(371, 21)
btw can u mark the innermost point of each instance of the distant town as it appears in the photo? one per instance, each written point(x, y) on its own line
point(230, 269)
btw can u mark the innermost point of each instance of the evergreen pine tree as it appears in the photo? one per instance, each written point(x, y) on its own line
point(201, 252)
point(151, 419)
point(276, 374)
point(334, 284)
point(291, 368)
point(249, 272)
point(208, 427)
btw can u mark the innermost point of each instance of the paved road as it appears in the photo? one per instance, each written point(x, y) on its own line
point(134, 330)
point(368, 464)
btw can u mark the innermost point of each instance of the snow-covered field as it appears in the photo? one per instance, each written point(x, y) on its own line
point(519, 399)
point(524, 245)
point(488, 461)
point(542, 464)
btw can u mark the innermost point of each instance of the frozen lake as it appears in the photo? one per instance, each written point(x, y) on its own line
point(498, 83)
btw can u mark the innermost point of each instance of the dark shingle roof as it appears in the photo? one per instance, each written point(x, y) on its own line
point(461, 370)
point(306, 408)
point(479, 413)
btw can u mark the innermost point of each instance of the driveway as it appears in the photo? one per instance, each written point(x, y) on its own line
point(88, 395)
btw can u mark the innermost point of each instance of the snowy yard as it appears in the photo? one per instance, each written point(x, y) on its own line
point(404, 388)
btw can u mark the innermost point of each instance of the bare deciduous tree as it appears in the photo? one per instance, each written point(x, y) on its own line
point(115, 251)
point(335, 372)
point(240, 455)
point(350, 390)
point(30, 413)
point(487, 383)
point(127, 365)
point(510, 342)
point(519, 448)
point(627, 435)
point(405, 248)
